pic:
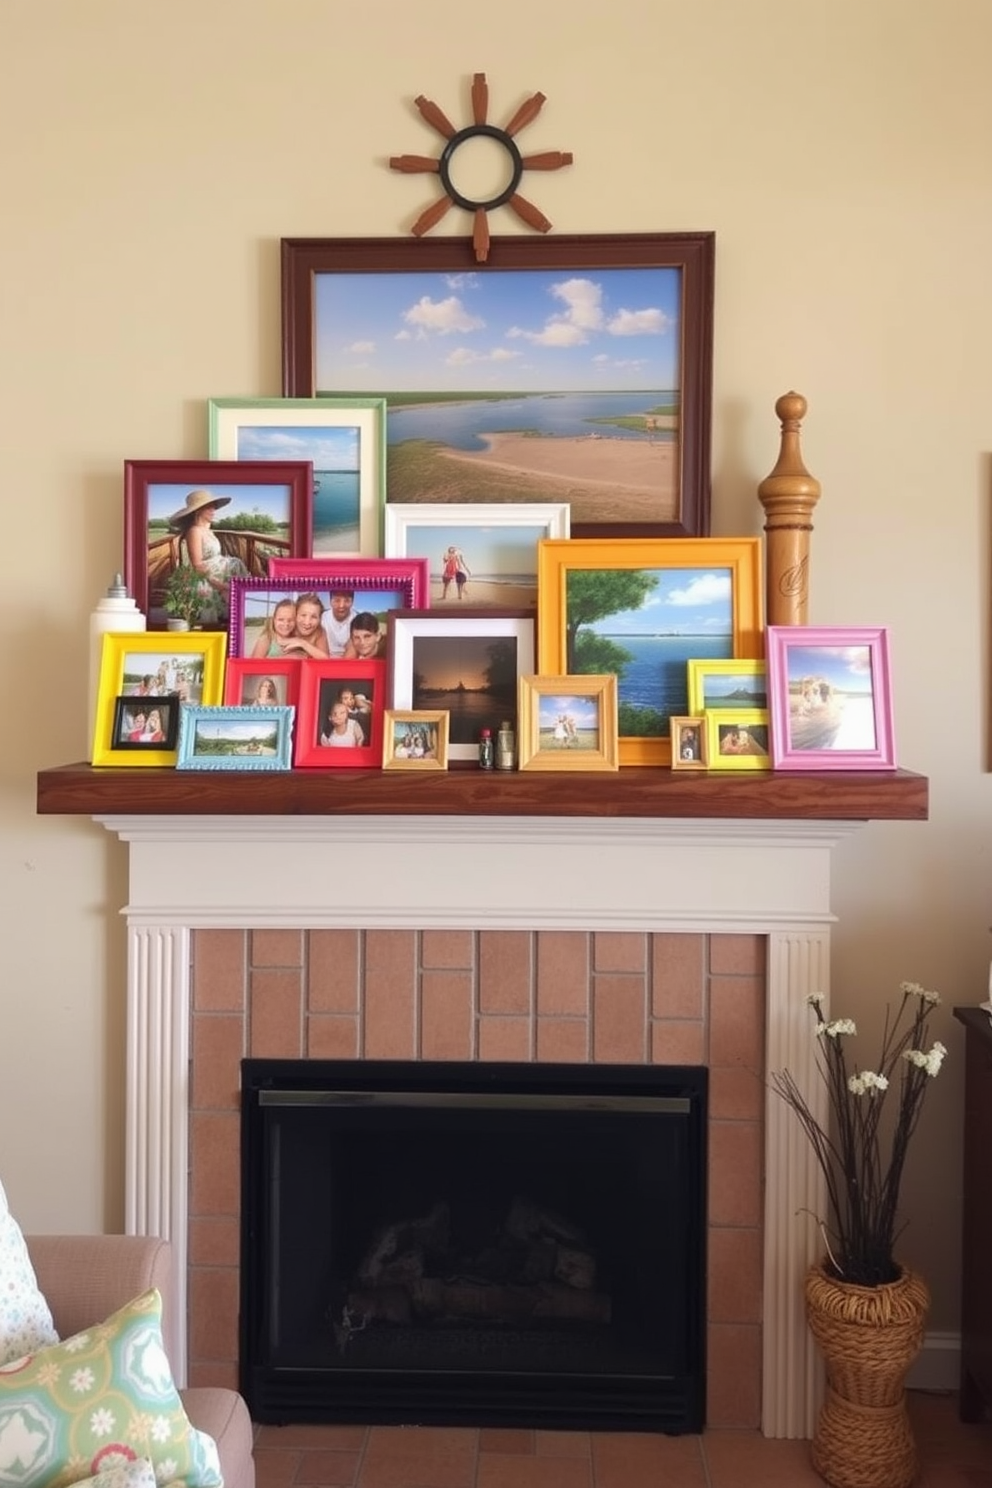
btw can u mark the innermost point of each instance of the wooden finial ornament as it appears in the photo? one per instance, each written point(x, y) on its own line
point(544, 160)
point(788, 496)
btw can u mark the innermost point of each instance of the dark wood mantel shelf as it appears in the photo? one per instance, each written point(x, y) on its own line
point(634, 791)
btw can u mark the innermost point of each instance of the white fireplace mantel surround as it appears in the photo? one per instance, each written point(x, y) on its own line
point(769, 878)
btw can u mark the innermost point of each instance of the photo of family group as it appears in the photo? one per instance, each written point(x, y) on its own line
point(344, 713)
point(416, 740)
point(148, 674)
point(285, 621)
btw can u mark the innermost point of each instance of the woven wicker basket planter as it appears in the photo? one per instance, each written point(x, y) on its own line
point(869, 1337)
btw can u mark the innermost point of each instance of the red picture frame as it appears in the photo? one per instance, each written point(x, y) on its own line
point(320, 683)
point(244, 673)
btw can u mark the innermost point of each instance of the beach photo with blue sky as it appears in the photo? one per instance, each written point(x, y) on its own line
point(523, 385)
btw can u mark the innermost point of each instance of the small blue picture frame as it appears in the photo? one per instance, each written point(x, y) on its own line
point(235, 738)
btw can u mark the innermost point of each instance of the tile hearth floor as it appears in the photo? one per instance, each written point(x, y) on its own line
point(952, 1455)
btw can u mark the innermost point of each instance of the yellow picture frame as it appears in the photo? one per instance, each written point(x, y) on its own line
point(426, 727)
point(706, 565)
point(735, 683)
point(154, 663)
point(568, 723)
point(752, 747)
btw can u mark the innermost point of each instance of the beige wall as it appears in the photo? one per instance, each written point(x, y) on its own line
point(152, 157)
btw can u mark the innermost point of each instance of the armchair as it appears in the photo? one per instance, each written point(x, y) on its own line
point(87, 1277)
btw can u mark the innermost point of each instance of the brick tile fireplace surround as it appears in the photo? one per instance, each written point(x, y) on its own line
point(537, 939)
point(545, 996)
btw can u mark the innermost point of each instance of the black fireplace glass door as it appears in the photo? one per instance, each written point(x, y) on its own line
point(516, 1236)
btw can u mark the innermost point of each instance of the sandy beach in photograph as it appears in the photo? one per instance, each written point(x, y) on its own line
point(620, 480)
point(478, 592)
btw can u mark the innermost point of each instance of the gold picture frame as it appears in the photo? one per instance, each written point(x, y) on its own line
point(568, 723)
point(415, 739)
point(671, 596)
point(187, 666)
point(689, 741)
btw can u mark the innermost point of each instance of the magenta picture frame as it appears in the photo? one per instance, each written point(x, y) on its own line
point(410, 574)
point(830, 697)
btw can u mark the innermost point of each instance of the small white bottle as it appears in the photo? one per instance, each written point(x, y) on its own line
point(116, 611)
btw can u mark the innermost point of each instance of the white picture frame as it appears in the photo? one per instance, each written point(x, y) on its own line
point(477, 627)
point(348, 499)
point(498, 539)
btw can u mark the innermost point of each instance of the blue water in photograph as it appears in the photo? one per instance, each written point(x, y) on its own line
point(335, 502)
point(738, 690)
point(656, 675)
point(460, 424)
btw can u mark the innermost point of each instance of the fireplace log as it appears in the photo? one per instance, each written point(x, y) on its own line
point(383, 1304)
point(428, 1234)
point(527, 1220)
point(433, 1298)
point(576, 1268)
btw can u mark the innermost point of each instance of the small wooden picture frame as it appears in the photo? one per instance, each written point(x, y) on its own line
point(415, 739)
point(568, 723)
point(689, 742)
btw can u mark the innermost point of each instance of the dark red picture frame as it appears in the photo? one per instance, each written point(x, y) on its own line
point(147, 564)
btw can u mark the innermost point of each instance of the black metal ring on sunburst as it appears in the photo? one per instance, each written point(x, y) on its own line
point(475, 131)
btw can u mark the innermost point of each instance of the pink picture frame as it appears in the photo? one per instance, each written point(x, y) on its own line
point(375, 586)
point(830, 697)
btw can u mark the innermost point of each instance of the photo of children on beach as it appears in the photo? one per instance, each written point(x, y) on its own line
point(831, 705)
point(568, 723)
point(517, 385)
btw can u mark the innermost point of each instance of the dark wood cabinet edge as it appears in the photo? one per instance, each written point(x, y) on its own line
point(635, 791)
point(976, 1020)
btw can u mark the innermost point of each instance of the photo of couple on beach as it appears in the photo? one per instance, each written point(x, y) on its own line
point(517, 386)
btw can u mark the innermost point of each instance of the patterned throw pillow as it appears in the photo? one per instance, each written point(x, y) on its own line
point(25, 1318)
point(137, 1474)
point(101, 1399)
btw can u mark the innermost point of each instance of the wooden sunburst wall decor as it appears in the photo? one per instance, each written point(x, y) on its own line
point(480, 129)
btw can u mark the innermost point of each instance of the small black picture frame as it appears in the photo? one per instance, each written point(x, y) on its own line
point(144, 723)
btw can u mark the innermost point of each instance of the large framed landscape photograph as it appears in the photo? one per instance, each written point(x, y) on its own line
point(569, 368)
point(642, 610)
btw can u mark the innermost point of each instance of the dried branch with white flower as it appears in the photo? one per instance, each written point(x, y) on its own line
point(861, 1155)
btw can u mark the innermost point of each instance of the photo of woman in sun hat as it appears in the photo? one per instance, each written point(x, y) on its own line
point(200, 549)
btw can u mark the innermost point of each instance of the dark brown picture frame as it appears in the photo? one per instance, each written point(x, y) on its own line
point(692, 254)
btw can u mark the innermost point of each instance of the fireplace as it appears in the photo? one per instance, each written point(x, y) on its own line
point(492, 876)
point(501, 1244)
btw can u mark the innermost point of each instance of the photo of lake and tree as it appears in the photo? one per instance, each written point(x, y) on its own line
point(517, 385)
point(645, 625)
